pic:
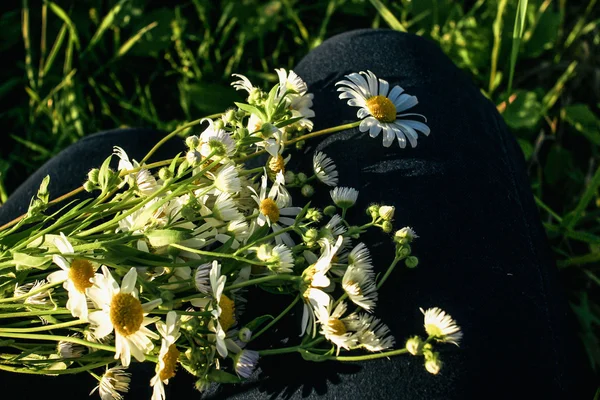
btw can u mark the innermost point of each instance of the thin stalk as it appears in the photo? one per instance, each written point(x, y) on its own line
point(274, 321)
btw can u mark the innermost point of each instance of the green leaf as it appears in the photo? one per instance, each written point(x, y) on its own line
point(584, 121)
point(25, 261)
point(134, 39)
point(516, 39)
point(60, 13)
point(526, 148)
point(524, 112)
point(106, 23)
point(257, 322)
point(388, 16)
point(165, 237)
point(544, 36)
point(252, 110)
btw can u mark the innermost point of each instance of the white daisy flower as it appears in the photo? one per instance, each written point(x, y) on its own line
point(245, 363)
point(114, 382)
point(441, 326)
point(406, 234)
point(334, 328)
point(274, 208)
point(280, 257)
point(290, 81)
point(70, 350)
point(360, 286)
point(344, 197)
point(224, 209)
point(381, 109)
point(360, 257)
point(373, 335)
point(315, 280)
point(227, 180)
point(202, 278)
point(216, 140)
point(238, 229)
point(143, 181)
point(168, 355)
point(77, 274)
point(223, 308)
point(122, 312)
point(242, 84)
point(325, 169)
point(301, 107)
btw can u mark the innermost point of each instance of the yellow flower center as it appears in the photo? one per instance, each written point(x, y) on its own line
point(80, 273)
point(269, 209)
point(277, 164)
point(336, 326)
point(227, 317)
point(126, 314)
point(307, 276)
point(433, 330)
point(170, 360)
point(382, 108)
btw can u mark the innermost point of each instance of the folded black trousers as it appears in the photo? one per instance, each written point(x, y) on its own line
point(484, 256)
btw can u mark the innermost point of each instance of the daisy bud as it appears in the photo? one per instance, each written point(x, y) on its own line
point(239, 114)
point(89, 186)
point(373, 209)
point(386, 212)
point(330, 211)
point(243, 132)
point(289, 177)
point(193, 157)
point(412, 262)
point(192, 142)
point(165, 174)
point(310, 237)
point(229, 116)
point(93, 175)
point(405, 235)
point(433, 364)
point(403, 251)
point(387, 226)
point(302, 177)
point(307, 191)
point(245, 335)
point(300, 144)
point(413, 345)
point(314, 214)
point(202, 384)
point(218, 124)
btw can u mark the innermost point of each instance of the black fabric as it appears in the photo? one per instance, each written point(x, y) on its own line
point(483, 253)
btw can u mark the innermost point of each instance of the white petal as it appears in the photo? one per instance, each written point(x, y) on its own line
point(129, 280)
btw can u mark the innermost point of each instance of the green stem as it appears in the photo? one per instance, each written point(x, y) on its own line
point(284, 350)
point(216, 255)
point(52, 371)
point(44, 327)
point(32, 292)
point(35, 313)
point(274, 321)
point(175, 132)
point(388, 272)
point(264, 238)
point(368, 356)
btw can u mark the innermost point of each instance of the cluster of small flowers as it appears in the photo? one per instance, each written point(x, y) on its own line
point(186, 243)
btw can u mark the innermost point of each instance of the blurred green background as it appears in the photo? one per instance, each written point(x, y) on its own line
point(74, 67)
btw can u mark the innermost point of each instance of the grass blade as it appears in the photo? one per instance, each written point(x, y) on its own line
point(107, 21)
point(571, 220)
point(516, 39)
point(132, 40)
point(27, 43)
point(497, 28)
point(60, 13)
point(388, 16)
point(55, 48)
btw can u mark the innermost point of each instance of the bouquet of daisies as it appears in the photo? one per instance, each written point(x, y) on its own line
point(157, 264)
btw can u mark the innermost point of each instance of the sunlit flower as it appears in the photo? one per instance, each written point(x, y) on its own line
point(382, 109)
point(227, 180)
point(315, 280)
point(441, 326)
point(202, 278)
point(242, 84)
point(78, 276)
point(122, 312)
point(359, 284)
point(334, 328)
point(274, 208)
point(114, 382)
point(280, 258)
point(325, 169)
point(290, 81)
point(168, 355)
point(142, 180)
point(373, 335)
point(344, 197)
point(215, 140)
point(33, 295)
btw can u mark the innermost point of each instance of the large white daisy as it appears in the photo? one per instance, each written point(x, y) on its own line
point(121, 311)
point(77, 274)
point(441, 326)
point(381, 109)
point(334, 327)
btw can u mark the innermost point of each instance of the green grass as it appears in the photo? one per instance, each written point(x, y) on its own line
point(85, 66)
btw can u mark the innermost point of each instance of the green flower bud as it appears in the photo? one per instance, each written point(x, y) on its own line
point(330, 211)
point(300, 144)
point(403, 251)
point(413, 345)
point(307, 191)
point(387, 226)
point(229, 116)
point(245, 335)
point(411, 262)
point(311, 236)
point(373, 209)
point(433, 365)
point(93, 175)
point(302, 177)
point(192, 142)
point(89, 186)
point(405, 235)
point(289, 177)
point(165, 174)
point(218, 124)
point(193, 157)
point(314, 214)
point(243, 132)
